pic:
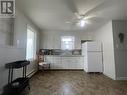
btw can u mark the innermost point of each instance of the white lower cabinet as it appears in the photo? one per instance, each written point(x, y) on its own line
point(58, 62)
point(73, 62)
point(50, 59)
point(66, 61)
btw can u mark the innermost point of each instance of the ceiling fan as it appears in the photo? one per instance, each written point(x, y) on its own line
point(83, 19)
point(79, 19)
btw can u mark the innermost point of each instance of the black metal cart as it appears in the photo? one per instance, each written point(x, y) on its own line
point(15, 87)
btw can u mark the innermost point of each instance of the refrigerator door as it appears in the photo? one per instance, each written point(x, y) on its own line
point(85, 64)
point(94, 62)
point(94, 46)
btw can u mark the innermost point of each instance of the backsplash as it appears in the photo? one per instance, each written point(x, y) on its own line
point(61, 52)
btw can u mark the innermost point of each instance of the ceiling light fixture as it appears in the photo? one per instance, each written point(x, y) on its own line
point(82, 23)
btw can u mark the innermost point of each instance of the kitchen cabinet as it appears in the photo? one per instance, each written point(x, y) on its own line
point(49, 59)
point(72, 62)
point(63, 62)
point(57, 62)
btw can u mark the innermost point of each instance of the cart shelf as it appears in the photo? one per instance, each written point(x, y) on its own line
point(15, 87)
point(17, 64)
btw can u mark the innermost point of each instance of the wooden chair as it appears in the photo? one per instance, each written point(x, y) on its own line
point(42, 64)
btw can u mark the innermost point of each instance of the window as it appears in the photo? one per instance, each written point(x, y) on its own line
point(67, 42)
point(31, 44)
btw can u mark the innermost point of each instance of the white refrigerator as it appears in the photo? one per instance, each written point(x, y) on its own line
point(92, 52)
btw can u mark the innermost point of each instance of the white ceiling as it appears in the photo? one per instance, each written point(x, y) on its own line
point(53, 14)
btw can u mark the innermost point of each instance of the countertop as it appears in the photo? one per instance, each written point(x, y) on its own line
point(66, 55)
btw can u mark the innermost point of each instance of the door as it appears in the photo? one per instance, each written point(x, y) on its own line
point(94, 62)
point(57, 62)
point(94, 46)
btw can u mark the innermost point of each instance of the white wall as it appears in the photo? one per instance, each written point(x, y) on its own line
point(105, 35)
point(6, 31)
point(18, 50)
point(120, 26)
point(51, 39)
point(20, 34)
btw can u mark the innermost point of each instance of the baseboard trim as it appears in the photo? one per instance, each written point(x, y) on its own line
point(31, 73)
point(121, 78)
point(109, 76)
point(64, 70)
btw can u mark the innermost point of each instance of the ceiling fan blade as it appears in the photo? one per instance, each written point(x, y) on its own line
point(78, 15)
point(89, 17)
point(94, 19)
point(100, 7)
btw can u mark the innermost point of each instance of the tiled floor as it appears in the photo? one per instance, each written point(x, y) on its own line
point(75, 83)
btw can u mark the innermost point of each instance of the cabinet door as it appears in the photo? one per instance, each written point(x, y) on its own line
point(49, 59)
point(65, 62)
point(79, 63)
point(76, 63)
point(95, 62)
point(72, 63)
point(57, 63)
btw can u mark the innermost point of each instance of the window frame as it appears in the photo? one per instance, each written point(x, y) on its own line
point(35, 44)
point(63, 43)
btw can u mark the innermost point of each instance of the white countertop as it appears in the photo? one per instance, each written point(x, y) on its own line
point(66, 55)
